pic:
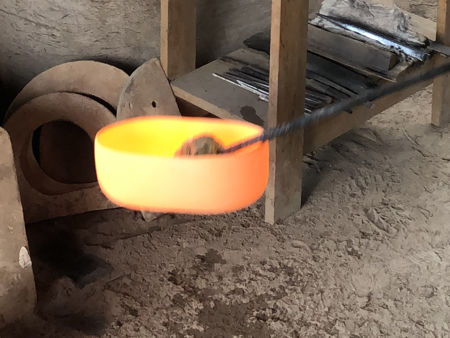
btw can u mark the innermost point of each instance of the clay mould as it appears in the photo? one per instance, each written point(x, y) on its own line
point(42, 196)
point(97, 80)
point(147, 92)
point(83, 77)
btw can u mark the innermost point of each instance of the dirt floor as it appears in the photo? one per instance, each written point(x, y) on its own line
point(367, 256)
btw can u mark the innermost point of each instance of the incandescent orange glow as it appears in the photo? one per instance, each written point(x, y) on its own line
point(137, 169)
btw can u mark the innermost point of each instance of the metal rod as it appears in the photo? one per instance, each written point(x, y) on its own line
point(348, 104)
point(415, 53)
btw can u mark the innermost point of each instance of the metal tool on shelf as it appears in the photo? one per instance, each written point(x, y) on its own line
point(320, 91)
point(416, 52)
point(343, 105)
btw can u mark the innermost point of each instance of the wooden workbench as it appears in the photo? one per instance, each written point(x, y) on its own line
point(287, 64)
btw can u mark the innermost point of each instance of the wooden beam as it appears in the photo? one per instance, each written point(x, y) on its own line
point(423, 26)
point(349, 51)
point(441, 90)
point(287, 95)
point(178, 37)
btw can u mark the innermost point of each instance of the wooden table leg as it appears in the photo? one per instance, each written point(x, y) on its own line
point(287, 95)
point(441, 88)
point(178, 37)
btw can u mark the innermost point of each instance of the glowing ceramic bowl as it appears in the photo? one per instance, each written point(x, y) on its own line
point(137, 169)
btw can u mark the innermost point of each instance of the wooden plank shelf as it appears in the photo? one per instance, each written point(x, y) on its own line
point(219, 97)
point(227, 101)
point(201, 89)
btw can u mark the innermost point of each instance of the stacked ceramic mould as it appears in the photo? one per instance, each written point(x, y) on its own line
point(66, 105)
point(53, 122)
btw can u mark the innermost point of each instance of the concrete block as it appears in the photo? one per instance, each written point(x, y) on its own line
point(17, 288)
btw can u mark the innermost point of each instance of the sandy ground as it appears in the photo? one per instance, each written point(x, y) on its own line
point(367, 256)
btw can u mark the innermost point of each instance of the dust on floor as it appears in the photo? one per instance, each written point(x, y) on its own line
point(367, 256)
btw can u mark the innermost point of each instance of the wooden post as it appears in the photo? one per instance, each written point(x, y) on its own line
point(178, 37)
point(441, 88)
point(286, 102)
